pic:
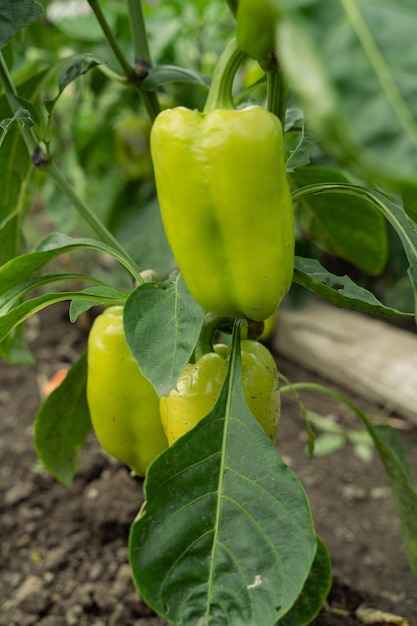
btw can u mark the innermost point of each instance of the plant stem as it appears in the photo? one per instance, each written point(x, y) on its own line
point(139, 36)
point(91, 219)
point(143, 60)
point(220, 94)
point(10, 91)
point(108, 33)
point(135, 74)
point(211, 326)
point(42, 161)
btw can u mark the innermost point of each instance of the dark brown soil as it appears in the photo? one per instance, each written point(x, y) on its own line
point(64, 558)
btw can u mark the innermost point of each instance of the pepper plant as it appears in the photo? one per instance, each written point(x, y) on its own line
point(226, 534)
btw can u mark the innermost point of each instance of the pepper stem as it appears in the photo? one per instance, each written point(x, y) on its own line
point(220, 94)
point(211, 326)
point(277, 92)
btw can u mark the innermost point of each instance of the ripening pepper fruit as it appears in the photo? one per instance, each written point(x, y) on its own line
point(226, 206)
point(255, 28)
point(124, 406)
point(200, 384)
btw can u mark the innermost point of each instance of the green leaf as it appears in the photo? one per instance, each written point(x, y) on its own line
point(391, 439)
point(14, 349)
point(164, 74)
point(23, 116)
point(142, 234)
point(11, 184)
point(392, 455)
point(339, 290)
point(226, 534)
point(15, 294)
point(350, 65)
point(299, 142)
point(347, 226)
point(22, 268)
point(328, 443)
point(62, 424)
point(21, 312)
point(79, 306)
point(393, 211)
point(16, 168)
point(14, 15)
point(391, 452)
point(314, 592)
point(27, 112)
point(78, 66)
point(162, 323)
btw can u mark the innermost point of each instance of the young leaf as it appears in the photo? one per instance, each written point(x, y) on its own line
point(164, 74)
point(226, 534)
point(62, 424)
point(74, 69)
point(299, 142)
point(339, 290)
point(162, 323)
point(21, 115)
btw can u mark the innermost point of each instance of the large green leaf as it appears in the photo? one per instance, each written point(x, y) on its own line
point(226, 534)
point(62, 424)
point(315, 590)
point(162, 323)
point(340, 290)
point(11, 319)
point(351, 63)
point(347, 226)
point(14, 348)
point(14, 15)
point(390, 207)
point(16, 294)
point(142, 234)
point(25, 266)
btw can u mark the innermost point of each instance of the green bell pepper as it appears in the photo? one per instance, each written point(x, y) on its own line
point(255, 28)
point(226, 206)
point(124, 406)
point(200, 384)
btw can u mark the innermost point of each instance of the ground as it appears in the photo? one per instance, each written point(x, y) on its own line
point(64, 558)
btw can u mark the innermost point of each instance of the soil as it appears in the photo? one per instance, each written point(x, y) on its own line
point(64, 557)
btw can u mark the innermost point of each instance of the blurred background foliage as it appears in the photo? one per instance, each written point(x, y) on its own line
point(99, 136)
